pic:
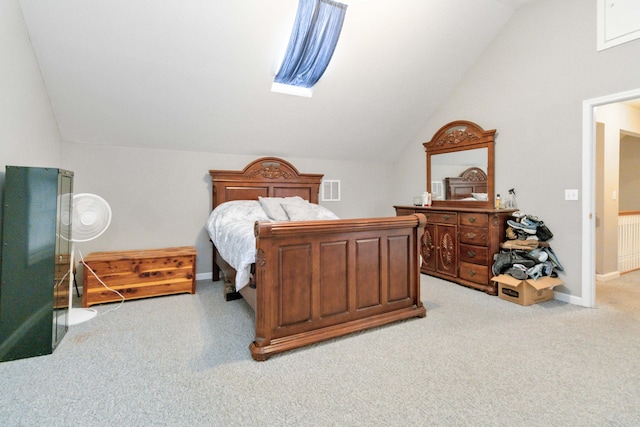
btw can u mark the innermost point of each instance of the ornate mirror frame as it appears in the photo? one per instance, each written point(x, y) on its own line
point(459, 136)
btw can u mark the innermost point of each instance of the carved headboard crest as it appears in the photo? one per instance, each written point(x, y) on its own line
point(474, 175)
point(264, 177)
point(271, 170)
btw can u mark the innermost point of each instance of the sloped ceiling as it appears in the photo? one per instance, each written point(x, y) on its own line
point(197, 74)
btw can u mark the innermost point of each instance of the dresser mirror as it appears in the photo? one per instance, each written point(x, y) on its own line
point(460, 165)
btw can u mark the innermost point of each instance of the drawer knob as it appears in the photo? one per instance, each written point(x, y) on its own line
point(472, 219)
point(471, 235)
point(471, 254)
point(472, 273)
point(446, 217)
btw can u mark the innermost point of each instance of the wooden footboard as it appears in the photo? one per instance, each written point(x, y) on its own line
point(317, 280)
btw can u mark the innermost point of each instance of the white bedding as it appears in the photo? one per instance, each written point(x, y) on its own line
point(477, 196)
point(231, 228)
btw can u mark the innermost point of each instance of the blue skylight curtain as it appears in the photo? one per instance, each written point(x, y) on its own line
point(313, 40)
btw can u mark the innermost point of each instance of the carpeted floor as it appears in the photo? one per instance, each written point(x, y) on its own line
point(474, 360)
point(621, 294)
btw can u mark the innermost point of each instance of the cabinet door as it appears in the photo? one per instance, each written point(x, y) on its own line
point(428, 249)
point(62, 261)
point(447, 259)
point(27, 262)
point(33, 263)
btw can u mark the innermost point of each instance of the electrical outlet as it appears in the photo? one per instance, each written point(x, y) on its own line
point(571, 194)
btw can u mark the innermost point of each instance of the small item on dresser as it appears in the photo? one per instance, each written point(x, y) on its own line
point(426, 199)
point(511, 200)
point(497, 201)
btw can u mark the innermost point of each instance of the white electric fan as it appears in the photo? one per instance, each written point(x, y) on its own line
point(90, 217)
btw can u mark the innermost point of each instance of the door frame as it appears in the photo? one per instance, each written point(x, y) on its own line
point(588, 189)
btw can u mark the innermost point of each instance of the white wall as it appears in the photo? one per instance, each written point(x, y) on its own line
point(530, 85)
point(159, 198)
point(28, 132)
point(162, 198)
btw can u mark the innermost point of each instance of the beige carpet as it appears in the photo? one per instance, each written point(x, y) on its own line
point(622, 294)
point(474, 360)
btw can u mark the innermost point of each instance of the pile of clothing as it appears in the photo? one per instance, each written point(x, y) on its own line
point(526, 253)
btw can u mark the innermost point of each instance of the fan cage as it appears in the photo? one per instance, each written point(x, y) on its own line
point(91, 216)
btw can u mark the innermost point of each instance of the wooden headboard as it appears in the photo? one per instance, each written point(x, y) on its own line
point(264, 177)
point(472, 180)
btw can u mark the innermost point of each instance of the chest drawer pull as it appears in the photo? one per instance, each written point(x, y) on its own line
point(471, 235)
point(471, 254)
point(472, 219)
point(472, 273)
point(446, 217)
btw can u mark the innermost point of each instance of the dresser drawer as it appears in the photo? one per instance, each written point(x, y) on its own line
point(474, 272)
point(442, 218)
point(474, 219)
point(474, 235)
point(404, 211)
point(474, 254)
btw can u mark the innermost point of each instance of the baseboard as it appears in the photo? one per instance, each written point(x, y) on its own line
point(570, 299)
point(204, 276)
point(606, 277)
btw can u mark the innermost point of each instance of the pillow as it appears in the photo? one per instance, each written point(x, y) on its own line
point(272, 206)
point(323, 213)
point(480, 196)
point(300, 212)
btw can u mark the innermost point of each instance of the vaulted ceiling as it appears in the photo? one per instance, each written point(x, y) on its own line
point(196, 74)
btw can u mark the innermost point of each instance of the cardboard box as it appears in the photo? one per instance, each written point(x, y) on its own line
point(526, 292)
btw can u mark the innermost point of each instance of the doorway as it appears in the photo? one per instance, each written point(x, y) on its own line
point(588, 190)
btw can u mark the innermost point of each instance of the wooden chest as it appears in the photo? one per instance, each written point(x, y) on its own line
point(138, 274)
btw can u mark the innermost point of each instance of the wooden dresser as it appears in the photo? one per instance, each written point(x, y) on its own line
point(459, 243)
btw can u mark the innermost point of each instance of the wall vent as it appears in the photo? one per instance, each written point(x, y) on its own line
point(330, 190)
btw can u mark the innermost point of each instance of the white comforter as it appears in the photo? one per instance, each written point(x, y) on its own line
point(231, 228)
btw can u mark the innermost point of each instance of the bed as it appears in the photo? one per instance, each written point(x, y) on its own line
point(470, 185)
point(317, 279)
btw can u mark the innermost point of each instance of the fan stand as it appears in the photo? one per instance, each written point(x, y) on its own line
point(80, 315)
point(77, 315)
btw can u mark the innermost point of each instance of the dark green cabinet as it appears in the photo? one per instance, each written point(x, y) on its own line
point(36, 248)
